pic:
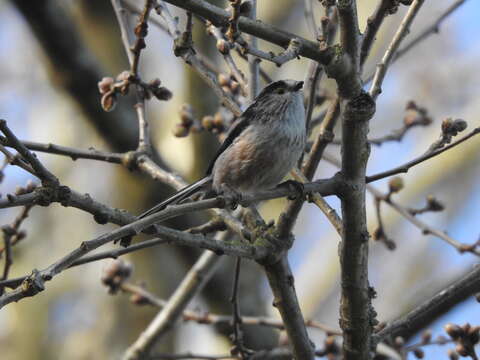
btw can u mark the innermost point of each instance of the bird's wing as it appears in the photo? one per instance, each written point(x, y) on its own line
point(177, 197)
point(237, 128)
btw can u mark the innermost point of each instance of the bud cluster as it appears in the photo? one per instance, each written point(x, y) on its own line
point(115, 273)
point(110, 88)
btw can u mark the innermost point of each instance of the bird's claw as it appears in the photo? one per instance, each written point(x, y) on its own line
point(294, 186)
point(231, 196)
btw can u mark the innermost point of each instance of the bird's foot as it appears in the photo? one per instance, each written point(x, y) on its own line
point(293, 185)
point(231, 196)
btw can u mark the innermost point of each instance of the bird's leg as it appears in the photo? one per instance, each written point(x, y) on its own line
point(295, 186)
point(231, 196)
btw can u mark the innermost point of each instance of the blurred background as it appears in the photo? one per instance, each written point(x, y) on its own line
point(52, 55)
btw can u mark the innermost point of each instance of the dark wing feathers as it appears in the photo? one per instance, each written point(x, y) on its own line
point(237, 128)
point(177, 197)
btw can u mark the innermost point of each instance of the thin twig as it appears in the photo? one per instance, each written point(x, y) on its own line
point(73, 153)
point(373, 25)
point(178, 301)
point(318, 200)
point(315, 70)
point(7, 236)
point(408, 165)
point(310, 18)
point(191, 356)
point(207, 318)
point(184, 49)
point(434, 28)
point(237, 318)
point(16, 235)
point(256, 28)
point(15, 160)
point(425, 228)
point(234, 70)
point(232, 29)
point(133, 54)
point(43, 174)
point(253, 62)
point(111, 254)
point(382, 67)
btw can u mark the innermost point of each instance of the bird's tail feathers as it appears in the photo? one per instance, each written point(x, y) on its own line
point(177, 197)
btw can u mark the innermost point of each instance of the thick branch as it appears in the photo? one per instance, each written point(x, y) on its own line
point(424, 314)
point(220, 17)
point(285, 300)
point(356, 311)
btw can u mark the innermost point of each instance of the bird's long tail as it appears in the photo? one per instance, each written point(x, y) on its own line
point(177, 197)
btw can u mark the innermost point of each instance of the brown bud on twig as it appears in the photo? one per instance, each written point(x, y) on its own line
point(416, 115)
point(418, 353)
point(124, 76)
point(461, 350)
point(454, 331)
point(115, 273)
point(395, 184)
point(223, 80)
point(207, 122)
point(180, 130)
point(109, 101)
point(434, 204)
point(453, 127)
point(139, 299)
point(441, 339)
point(218, 121)
point(141, 30)
point(452, 355)
point(223, 47)
point(426, 336)
point(186, 115)
point(235, 87)
point(474, 334)
point(162, 93)
point(105, 85)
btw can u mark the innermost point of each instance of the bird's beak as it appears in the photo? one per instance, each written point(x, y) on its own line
point(298, 85)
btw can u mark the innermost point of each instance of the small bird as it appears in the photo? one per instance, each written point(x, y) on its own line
point(262, 146)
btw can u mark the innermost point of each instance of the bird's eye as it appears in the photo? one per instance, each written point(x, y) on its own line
point(280, 91)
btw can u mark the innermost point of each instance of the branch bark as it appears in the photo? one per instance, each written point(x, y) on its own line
point(409, 324)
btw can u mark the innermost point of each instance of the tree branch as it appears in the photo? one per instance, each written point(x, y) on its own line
point(376, 87)
point(373, 25)
point(409, 324)
point(220, 17)
point(405, 167)
point(176, 304)
point(41, 172)
point(356, 312)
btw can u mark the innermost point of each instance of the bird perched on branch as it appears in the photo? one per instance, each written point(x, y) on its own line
point(262, 146)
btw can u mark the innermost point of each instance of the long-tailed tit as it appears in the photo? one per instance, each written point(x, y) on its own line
point(262, 146)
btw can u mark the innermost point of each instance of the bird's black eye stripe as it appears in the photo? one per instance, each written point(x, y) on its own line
point(274, 86)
